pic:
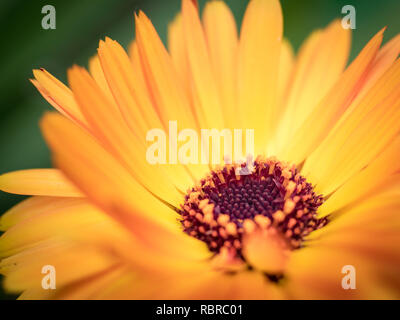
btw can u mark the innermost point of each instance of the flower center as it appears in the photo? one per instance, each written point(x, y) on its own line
point(226, 205)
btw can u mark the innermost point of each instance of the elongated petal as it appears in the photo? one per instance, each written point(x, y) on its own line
point(164, 83)
point(176, 47)
point(258, 66)
point(321, 61)
point(324, 116)
point(128, 89)
point(383, 61)
point(286, 64)
point(131, 95)
point(376, 175)
point(111, 129)
point(365, 130)
point(208, 108)
point(222, 40)
point(58, 95)
point(97, 73)
point(34, 206)
point(23, 271)
point(46, 225)
point(39, 182)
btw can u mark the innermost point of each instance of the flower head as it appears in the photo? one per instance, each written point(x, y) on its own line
point(322, 193)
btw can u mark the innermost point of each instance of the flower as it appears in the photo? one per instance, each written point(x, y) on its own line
point(322, 197)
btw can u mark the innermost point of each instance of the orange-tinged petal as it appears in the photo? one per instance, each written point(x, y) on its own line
point(111, 129)
point(208, 108)
point(383, 61)
point(286, 64)
point(34, 206)
point(320, 62)
point(97, 73)
point(24, 270)
point(76, 221)
point(299, 77)
point(324, 116)
point(87, 163)
point(176, 47)
point(164, 83)
point(131, 95)
point(90, 159)
point(39, 182)
point(128, 88)
point(222, 39)
point(377, 213)
point(365, 130)
point(58, 95)
point(258, 67)
point(76, 217)
point(327, 65)
point(47, 219)
point(375, 176)
point(168, 92)
point(136, 63)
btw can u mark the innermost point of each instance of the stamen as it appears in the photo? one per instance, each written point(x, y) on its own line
point(224, 206)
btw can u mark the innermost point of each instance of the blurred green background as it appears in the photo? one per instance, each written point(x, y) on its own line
point(80, 25)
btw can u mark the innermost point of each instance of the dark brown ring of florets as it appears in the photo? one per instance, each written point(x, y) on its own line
point(226, 205)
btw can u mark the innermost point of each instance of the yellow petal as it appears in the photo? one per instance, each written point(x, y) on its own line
point(138, 70)
point(378, 213)
point(47, 224)
point(209, 109)
point(39, 182)
point(320, 62)
point(169, 94)
point(327, 64)
point(375, 176)
point(111, 128)
point(176, 47)
point(97, 73)
point(258, 63)
point(131, 95)
point(324, 116)
point(34, 206)
point(286, 64)
point(128, 89)
point(364, 131)
point(383, 61)
point(221, 35)
point(118, 194)
point(164, 83)
point(58, 95)
point(24, 271)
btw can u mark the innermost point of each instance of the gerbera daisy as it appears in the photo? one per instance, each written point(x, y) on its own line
point(321, 195)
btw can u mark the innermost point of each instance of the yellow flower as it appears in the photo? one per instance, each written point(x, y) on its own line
point(323, 194)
